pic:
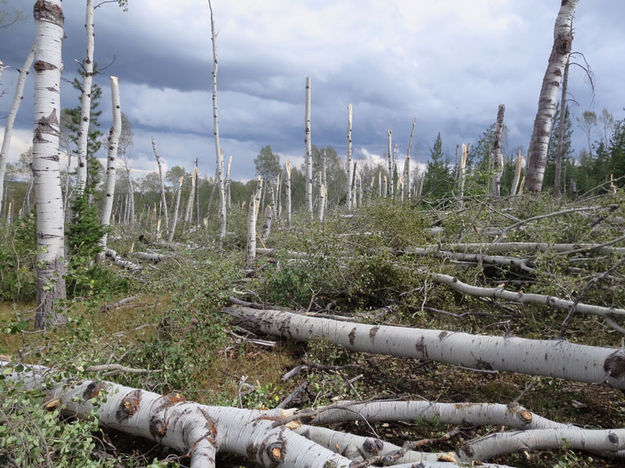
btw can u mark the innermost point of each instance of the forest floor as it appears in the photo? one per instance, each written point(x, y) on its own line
point(358, 267)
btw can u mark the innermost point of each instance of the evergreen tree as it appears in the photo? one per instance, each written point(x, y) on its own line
point(438, 180)
point(267, 164)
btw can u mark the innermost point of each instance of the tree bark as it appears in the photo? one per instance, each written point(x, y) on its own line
point(160, 176)
point(48, 64)
point(517, 175)
point(537, 153)
point(309, 175)
point(390, 163)
point(251, 224)
point(349, 157)
point(85, 100)
point(557, 181)
point(462, 171)
point(495, 155)
point(175, 220)
point(322, 202)
point(218, 152)
point(8, 128)
point(550, 358)
point(287, 166)
point(113, 143)
point(188, 215)
point(407, 174)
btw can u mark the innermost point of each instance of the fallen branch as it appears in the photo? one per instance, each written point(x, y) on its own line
point(119, 261)
point(537, 357)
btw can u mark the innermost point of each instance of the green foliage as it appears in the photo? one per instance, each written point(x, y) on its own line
point(32, 436)
point(17, 261)
point(438, 179)
point(267, 164)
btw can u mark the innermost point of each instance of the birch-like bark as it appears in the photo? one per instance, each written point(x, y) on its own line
point(251, 224)
point(557, 181)
point(349, 156)
point(188, 215)
point(160, 178)
point(322, 202)
point(560, 359)
point(495, 154)
point(113, 144)
point(462, 170)
point(359, 190)
point(175, 220)
point(537, 152)
point(407, 173)
point(353, 184)
point(307, 138)
point(218, 152)
point(267, 224)
point(85, 100)
point(8, 128)
point(390, 163)
point(517, 175)
point(188, 427)
point(287, 166)
point(48, 64)
point(228, 198)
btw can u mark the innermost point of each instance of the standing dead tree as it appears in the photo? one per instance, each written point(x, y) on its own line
point(309, 174)
point(218, 151)
point(496, 157)
point(349, 157)
point(160, 177)
point(8, 128)
point(563, 39)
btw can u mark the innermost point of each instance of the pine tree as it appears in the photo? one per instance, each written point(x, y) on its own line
point(438, 180)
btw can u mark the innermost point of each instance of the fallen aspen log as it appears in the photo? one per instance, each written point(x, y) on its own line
point(198, 431)
point(193, 429)
point(503, 247)
point(119, 261)
point(550, 358)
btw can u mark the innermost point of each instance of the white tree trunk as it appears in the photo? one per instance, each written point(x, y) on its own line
point(228, 198)
point(160, 176)
point(322, 202)
point(517, 175)
point(353, 184)
point(407, 173)
point(251, 224)
point(188, 215)
point(551, 358)
point(48, 64)
point(218, 152)
point(85, 100)
point(463, 170)
point(496, 152)
point(287, 166)
point(349, 157)
point(113, 143)
point(175, 220)
point(307, 138)
point(267, 223)
point(557, 179)
point(537, 152)
point(8, 128)
point(390, 163)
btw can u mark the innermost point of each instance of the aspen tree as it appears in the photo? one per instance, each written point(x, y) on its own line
point(218, 152)
point(407, 173)
point(85, 100)
point(8, 128)
point(287, 167)
point(189, 211)
point(560, 52)
point(113, 142)
point(160, 177)
point(349, 156)
point(309, 174)
point(557, 181)
point(175, 220)
point(390, 164)
point(496, 152)
point(49, 19)
point(517, 175)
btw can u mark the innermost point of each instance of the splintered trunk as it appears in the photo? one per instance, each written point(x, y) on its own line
point(552, 358)
point(322, 202)
point(461, 172)
point(160, 177)
point(188, 215)
point(353, 184)
point(407, 174)
point(496, 158)
point(349, 157)
point(309, 174)
point(218, 152)
point(267, 223)
point(175, 221)
point(113, 143)
point(85, 100)
point(251, 224)
point(517, 175)
point(563, 39)
point(49, 21)
point(8, 128)
point(557, 181)
point(287, 167)
point(390, 164)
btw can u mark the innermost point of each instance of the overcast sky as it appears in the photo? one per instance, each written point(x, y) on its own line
point(449, 63)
